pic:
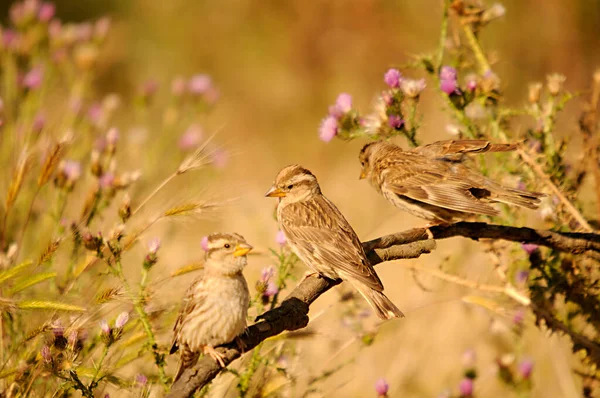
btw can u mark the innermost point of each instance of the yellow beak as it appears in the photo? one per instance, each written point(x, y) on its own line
point(363, 175)
point(242, 249)
point(275, 192)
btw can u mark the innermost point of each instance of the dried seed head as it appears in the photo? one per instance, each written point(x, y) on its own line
point(125, 209)
point(535, 92)
point(555, 83)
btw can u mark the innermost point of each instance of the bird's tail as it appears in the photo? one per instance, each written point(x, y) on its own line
point(530, 200)
point(382, 305)
point(187, 359)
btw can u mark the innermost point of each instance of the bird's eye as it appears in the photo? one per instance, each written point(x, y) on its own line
point(227, 245)
point(290, 186)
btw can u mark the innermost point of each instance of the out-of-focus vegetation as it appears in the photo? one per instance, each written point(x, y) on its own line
point(125, 122)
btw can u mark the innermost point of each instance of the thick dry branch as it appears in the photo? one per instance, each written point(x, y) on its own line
point(292, 314)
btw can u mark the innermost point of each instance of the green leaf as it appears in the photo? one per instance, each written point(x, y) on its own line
point(14, 271)
point(48, 305)
point(32, 280)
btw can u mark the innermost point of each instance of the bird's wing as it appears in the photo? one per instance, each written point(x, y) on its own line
point(454, 150)
point(319, 231)
point(190, 302)
point(433, 181)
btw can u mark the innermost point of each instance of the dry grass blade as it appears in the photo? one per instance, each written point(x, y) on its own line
point(107, 295)
point(49, 252)
point(48, 305)
point(37, 331)
point(189, 209)
point(16, 183)
point(186, 269)
point(50, 163)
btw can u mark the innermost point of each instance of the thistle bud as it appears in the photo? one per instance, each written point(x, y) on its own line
point(46, 354)
point(535, 92)
point(122, 320)
point(95, 164)
point(555, 83)
point(125, 209)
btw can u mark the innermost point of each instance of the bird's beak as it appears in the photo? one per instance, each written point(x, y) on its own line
point(275, 192)
point(242, 249)
point(363, 175)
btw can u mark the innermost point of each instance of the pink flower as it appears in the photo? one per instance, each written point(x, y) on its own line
point(519, 317)
point(154, 245)
point(101, 28)
point(328, 129)
point(46, 354)
point(465, 387)
point(266, 274)
point(526, 368)
point(271, 289)
point(141, 379)
point(122, 319)
point(382, 387)
point(448, 73)
point(344, 102)
point(204, 243)
point(107, 180)
point(112, 136)
point(72, 170)
point(190, 138)
point(280, 238)
point(199, 84)
point(529, 248)
point(10, 38)
point(33, 78)
point(46, 12)
point(392, 78)
point(104, 326)
point(149, 88)
point(95, 113)
point(448, 86)
point(220, 157)
point(395, 122)
point(412, 88)
point(84, 31)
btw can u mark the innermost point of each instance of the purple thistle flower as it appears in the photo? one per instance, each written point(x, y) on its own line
point(382, 387)
point(190, 138)
point(344, 102)
point(448, 73)
point(154, 245)
point(39, 122)
point(529, 248)
point(271, 289)
point(33, 78)
point(395, 122)
point(465, 388)
point(280, 238)
point(10, 38)
point(122, 319)
point(104, 326)
point(72, 170)
point(392, 78)
point(220, 157)
point(199, 84)
point(328, 129)
point(204, 243)
point(46, 354)
point(95, 113)
point(526, 368)
point(107, 180)
point(84, 31)
point(521, 276)
point(449, 86)
point(266, 274)
point(519, 317)
point(178, 86)
point(149, 88)
point(471, 84)
point(141, 379)
point(46, 11)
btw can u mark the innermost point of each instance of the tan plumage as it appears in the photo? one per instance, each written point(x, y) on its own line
point(322, 238)
point(431, 181)
point(215, 306)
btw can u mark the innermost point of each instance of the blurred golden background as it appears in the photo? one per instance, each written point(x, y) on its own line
point(278, 65)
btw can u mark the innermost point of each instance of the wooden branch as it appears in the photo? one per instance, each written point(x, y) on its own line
point(292, 314)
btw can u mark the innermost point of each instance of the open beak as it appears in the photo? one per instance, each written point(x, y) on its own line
point(275, 192)
point(363, 175)
point(242, 249)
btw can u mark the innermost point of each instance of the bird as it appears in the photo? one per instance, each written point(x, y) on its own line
point(433, 183)
point(322, 238)
point(215, 306)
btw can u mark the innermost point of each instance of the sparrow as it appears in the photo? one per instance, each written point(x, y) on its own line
point(323, 239)
point(215, 306)
point(431, 181)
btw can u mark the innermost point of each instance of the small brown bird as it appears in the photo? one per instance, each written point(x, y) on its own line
point(322, 238)
point(215, 306)
point(431, 182)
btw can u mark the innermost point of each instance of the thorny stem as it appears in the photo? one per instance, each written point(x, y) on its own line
point(507, 290)
point(94, 382)
point(540, 173)
point(484, 65)
point(139, 308)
